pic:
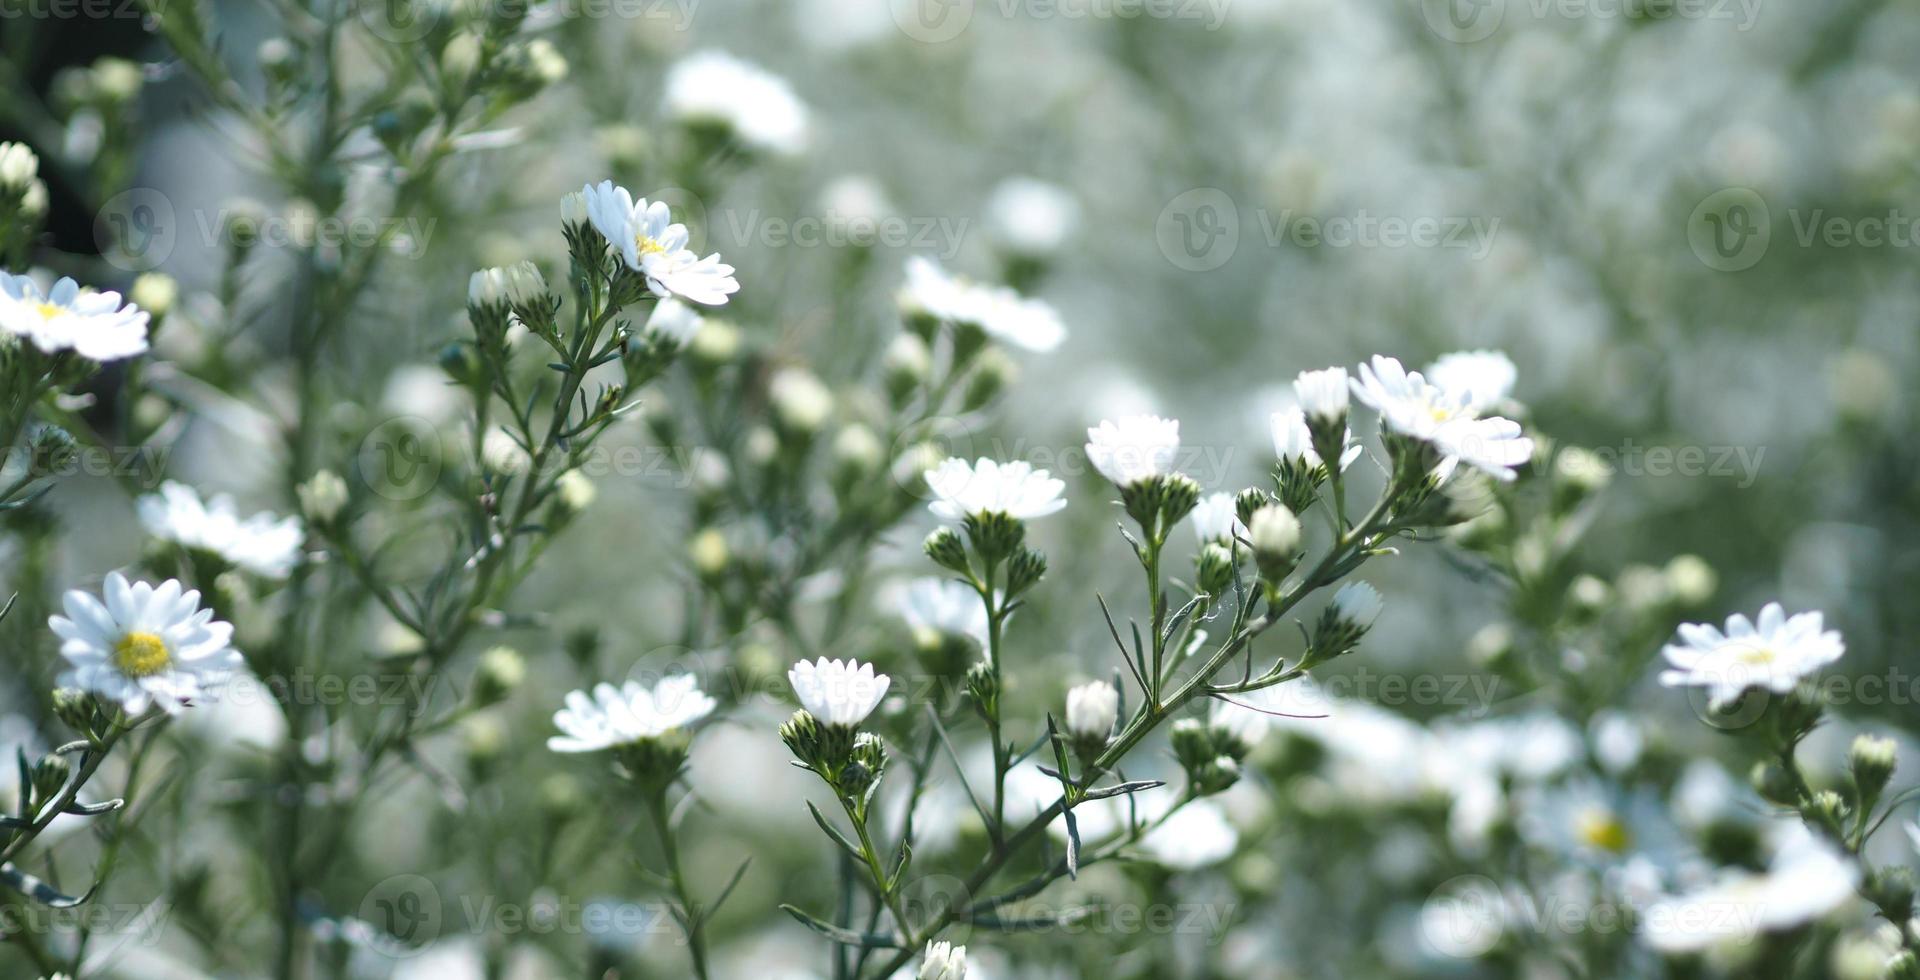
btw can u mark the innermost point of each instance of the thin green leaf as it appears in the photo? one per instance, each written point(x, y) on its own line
point(845, 937)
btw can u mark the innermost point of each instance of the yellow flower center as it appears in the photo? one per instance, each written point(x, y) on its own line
point(141, 654)
point(48, 311)
point(1756, 655)
point(1602, 830)
point(649, 246)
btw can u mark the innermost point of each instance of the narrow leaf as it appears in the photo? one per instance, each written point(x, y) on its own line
point(845, 937)
point(38, 890)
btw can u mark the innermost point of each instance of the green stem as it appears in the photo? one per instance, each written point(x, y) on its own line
point(690, 916)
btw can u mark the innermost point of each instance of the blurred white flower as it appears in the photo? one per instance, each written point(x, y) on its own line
point(654, 245)
point(1013, 488)
point(998, 311)
point(1775, 653)
point(1358, 603)
point(145, 645)
point(757, 108)
point(1806, 879)
point(1194, 836)
point(1215, 519)
point(943, 606)
point(615, 716)
point(1447, 420)
point(1293, 440)
point(1092, 709)
point(838, 692)
point(1323, 394)
point(1032, 217)
point(944, 961)
point(94, 325)
point(264, 544)
point(1483, 378)
point(1136, 448)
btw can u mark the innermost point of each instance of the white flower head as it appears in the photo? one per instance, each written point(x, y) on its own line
point(1449, 420)
point(1358, 603)
point(97, 326)
point(1484, 378)
point(1775, 653)
point(633, 712)
point(1092, 708)
point(943, 606)
point(999, 312)
point(838, 692)
point(674, 322)
point(651, 243)
point(145, 645)
point(1323, 394)
point(1194, 836)
point(944, 961)
point(1215, 518)
point(1293, 440)
point(757, 108)
point(1806, 879)
point(19, 167)
point(1032, 217)
point(1136, 448)
point(263, 544)
point(1015, 488)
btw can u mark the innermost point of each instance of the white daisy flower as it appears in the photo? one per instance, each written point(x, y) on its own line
point(1323, 394)
point(1485, 378)
point(1447, 420)
point(674, 322)
point(838, 692)
point(1775, 653)
point(1358, 603)
point(757, 108)
point(1014, 488)
point(654, 245)
point(1215, 518)
point(1000, 312)
point(1136, 448)
point(92, 324)
point(1806, 879)
point(145, 645)
point(1092, 709)
point(1194, 836)
point(633, 712)
point(263, 544)
point(944, 961)
point(1293, 440)
point(941, 606)
point(1032, 217)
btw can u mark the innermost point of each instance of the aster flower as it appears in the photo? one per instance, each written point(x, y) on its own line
point(673, 322)
point(1806, 879)
point(943, 607)
point(1292, 439)
point(1138, 447)
point(1014, 489)
point(1323, 394)
point(754, 107)
point(1448, 420)
point(95, 325)
point(1774, 653)
point(1215, 519)
point(1092, 709)
point(145, 645)
point(1358, 604)
point(944, 961)
point(838, 692)
point(997, 311)
point(651, 243)
point(264, 544)
point(633, 712)
point(1484, 378)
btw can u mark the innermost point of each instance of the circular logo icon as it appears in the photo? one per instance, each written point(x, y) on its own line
point(924, 445)
point(933, 896)
point(1464, 21)
point(1730, 229)
point(1199, 229)
point(400, 459)
point(136, 229)
point(1463, 918)
point(1731, 714)
point(932, 21)
point(405, 907)
point(398, 21)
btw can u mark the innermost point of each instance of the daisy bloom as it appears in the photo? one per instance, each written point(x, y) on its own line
point(1485, 378)
point(944, 961)
point(838, 692)
point(1215, 519)
point(1138, 447)
point(633, 712)
point(145, 645)
point(1806, 879)
point(756, 108)
point(654, 245)
point(97, 326)
point(1323, 394)
point(1448, 420)
point(999, 312)
point(1092, 709)
point(1775, 653)
point(263, 544)
point(937, 607)
point(1015, 489)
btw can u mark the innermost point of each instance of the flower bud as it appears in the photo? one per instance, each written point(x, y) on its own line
point(1872, 759)
point(991, 375)
point(1092, 710)
point(1214, 569)
point(801, 403)
point(501, 672)
point(983, 687)
point(907, 365)
point(575, 491)
point(75, 708)
point(323, 496)
point(49, 775)
point(1025, 571)
point(1891, 888)
point(561, 798)
point(1690, 580)
point(19, 167)
point(947, 550)
point(154, 292)
point(1275, 534)
point(709, 553)
point(459, 58)
point(944, 961)
point(857, 455)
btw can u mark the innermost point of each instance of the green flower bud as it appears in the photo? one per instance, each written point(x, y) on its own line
point(49, 775)
point(1024, 571)
point(995, 535)
point(75, 708)
point(1774, 784)
point(1872, 759)
point(991, 376)
point(1275, 534)
point(1892, 888)
point(1214, 569)
point(983, 687)
point(501, 672)
point(907, 366)
point(947, 550)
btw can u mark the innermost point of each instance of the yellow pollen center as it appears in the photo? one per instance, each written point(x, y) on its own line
point(1756, 656)
point(48, 311)
point(141, 654)
point(1602, 830)
point(648, 246)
